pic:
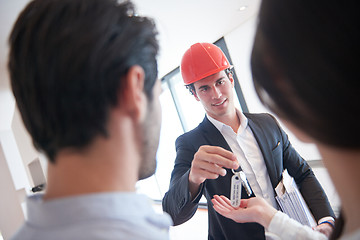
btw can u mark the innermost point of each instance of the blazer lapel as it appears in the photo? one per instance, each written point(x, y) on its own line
point(212, 135)
point(265, 150)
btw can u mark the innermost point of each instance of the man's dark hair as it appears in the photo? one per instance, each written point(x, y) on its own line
point(67, 62)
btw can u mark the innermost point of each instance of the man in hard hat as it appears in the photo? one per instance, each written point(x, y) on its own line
point(84, 75)
point(228, 142)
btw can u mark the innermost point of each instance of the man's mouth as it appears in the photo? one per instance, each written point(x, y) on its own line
point(219, 103)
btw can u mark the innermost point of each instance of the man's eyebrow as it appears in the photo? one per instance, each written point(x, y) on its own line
point(203, 86)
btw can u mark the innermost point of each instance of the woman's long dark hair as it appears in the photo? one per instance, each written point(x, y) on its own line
point(305, 69)
point(306, 60)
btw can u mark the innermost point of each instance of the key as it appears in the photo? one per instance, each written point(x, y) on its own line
point(245, 183)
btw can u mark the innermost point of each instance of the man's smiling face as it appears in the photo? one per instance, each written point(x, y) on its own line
point(215, 93)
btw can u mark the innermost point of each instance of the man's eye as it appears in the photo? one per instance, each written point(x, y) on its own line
point(204, 89)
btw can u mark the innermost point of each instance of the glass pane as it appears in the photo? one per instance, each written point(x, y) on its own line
point(192, 110)
point(236, 100)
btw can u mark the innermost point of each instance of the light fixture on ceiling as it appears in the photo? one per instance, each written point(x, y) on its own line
point(242, 8)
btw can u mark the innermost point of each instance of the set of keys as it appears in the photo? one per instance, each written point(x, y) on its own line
point(237, 181)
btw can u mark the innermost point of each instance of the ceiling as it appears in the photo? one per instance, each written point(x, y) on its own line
point(180, 24)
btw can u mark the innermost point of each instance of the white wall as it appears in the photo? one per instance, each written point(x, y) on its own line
point(16, 152)
point(23, 139)
point(14, 185)
point(239, 43)
point(10, 217)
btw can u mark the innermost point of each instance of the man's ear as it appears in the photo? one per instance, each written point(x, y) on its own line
point(133, 97)
point(231, 78)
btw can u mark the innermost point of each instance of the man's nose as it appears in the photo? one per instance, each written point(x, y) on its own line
point(216, 92)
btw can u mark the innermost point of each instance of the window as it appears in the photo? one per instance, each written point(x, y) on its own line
point(180, 113)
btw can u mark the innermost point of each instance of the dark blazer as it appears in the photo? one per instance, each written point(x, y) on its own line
point(278, 155)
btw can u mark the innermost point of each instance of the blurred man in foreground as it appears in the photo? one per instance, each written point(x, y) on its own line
point(84, 75)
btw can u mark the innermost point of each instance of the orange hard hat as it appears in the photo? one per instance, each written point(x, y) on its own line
point(202, 60)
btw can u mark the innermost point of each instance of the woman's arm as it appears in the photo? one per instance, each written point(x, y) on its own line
point(258, 210)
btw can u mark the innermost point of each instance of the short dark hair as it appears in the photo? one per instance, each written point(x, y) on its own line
point(306, 60)
point(67, 61)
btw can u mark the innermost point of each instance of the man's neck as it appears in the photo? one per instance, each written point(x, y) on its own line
point(231, 119)
point(102, 167)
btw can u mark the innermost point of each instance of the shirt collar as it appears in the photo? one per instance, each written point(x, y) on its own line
point(220, 126)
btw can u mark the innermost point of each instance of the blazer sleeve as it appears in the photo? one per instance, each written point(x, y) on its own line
point(305, 178)
point(177, 201)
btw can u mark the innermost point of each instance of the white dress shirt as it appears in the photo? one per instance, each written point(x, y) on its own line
point(286, 228)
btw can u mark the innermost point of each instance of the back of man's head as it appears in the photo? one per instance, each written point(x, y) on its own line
point(67, 61)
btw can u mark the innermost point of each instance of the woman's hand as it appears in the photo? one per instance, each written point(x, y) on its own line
point(254, 209)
